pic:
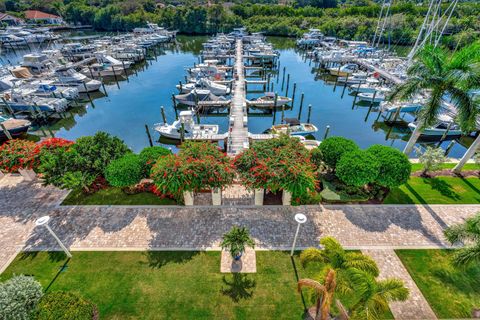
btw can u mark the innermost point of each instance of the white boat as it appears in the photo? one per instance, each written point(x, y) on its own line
point(46, 89)
point(69, 77)
point(344, 70)
point(293, 127)
point(37, 63)
point(26, 103)
point(354, 78)
point(101, 70)
point(268, 101)
point(16, 127)
point(311, 38)
point(377, 96)
point(195, 96)
point(192, 130)
point(204, 83)
point(444, 126)
point(370, 86)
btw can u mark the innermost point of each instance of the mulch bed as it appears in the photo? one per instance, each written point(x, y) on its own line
point(447, 173)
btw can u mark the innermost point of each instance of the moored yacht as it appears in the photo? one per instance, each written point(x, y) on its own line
point(191, 130)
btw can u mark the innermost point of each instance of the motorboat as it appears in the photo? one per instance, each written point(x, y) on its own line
point(69, 77)
point(344, 70)
point(78, 51)
point(102, 70)
point(204, 83)
point(293, 127)
point(311, 38)
point(37, 63)
point(46, 89)
point(369, 86)
point(377, 96)
point(354, 78)
point(16, 127)
point(268, 101)
point(192, 98)
point(19, 102)
point(191, 130)
point(445, 126)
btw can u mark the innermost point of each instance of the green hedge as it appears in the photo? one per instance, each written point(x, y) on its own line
point(125, 171)
point(60, 305)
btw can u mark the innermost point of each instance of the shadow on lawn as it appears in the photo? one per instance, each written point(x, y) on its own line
point(443, 187)
point(53, 256)
point(240, 287)
point(158, 259)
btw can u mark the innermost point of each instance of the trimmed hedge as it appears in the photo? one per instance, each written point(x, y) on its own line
point(357, 168)
point(333, 148)
point(125, 171)
point(18, 297)
point(394, 166)
point(60, 305)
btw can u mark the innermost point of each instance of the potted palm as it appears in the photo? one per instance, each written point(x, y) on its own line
point(236, 240)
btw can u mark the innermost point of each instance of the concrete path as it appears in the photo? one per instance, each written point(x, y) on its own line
point(416, 307)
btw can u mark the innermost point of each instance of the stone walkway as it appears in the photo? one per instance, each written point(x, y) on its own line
point(377, 229)
point(416, 307)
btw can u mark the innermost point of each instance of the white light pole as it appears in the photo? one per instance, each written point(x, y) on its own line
point(301, 219)
point(43, 221)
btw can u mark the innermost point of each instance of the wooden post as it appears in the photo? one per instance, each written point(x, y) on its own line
point(301, 106)
point(149, 136)
point(288, 85)
point(356, 94)
point(7, 133)
point(283, 77)
point(115, 76)
point(327, 130)
point(268, 82)
point(104, 89)
point(373, 98)
point(164, 118)
point(91, 73)
point(182, 132)
point(309, 113)
point(88, 94)
point(181, 86)
point(293, 93)
point(336, 78)
point(198, 117)
point(275, 101)
point(283, 113)
point(10, 110)
point(175, 106)
point(345, 85)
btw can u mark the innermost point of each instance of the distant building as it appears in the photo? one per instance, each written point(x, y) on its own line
point(42, 17)
point(10, 20)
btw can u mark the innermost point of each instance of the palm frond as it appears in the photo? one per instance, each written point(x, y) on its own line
point(467, 231)
point(310, 255)
point(467, 256)
point(319, 288)
point(429, 113)
point(392, 290)
point(362, 262)
point(468, 108)
point(406, 90)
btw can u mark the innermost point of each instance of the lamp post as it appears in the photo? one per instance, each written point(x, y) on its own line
point(43, 221)
point(301, 219)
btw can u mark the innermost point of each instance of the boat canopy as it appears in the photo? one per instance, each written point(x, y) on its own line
point(292, 121)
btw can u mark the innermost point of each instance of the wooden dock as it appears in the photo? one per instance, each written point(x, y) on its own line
point(238, 129)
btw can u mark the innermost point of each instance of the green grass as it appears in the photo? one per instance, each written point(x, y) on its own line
point(438, 190)
point(452, 293)
point(114, 196)
point(331, 194)
point(468, 166)
point(170, 285)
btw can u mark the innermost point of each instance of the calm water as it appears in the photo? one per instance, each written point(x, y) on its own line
point(127, 110)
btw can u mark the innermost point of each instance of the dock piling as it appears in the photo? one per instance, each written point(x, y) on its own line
point(149, 136)
point(309, 113)
point(301, 106)
point(7, 133)
point(164, 118)
point(327, 130)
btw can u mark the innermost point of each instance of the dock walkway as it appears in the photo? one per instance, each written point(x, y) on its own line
point(238, 131)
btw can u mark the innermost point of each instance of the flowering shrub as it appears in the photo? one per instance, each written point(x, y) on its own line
point(17, 154)
point(277, 164)
point(53, 143)
point(150, 155)
point(196, 167)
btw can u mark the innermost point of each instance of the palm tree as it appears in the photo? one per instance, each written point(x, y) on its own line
point(468, 232)
point(355, 280)
point(324, 294)
point(373, 296)
point(440, 74)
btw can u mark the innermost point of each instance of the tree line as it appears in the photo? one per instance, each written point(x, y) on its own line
point(349, 19)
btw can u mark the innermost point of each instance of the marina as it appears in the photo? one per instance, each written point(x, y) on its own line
point(126, 98)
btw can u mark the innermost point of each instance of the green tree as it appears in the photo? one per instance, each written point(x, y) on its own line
point(469, 234)
point(125, 171)
point(357, 168)
point(19, 297)
point(333, 148)
point(440, 74)
point(394, 166)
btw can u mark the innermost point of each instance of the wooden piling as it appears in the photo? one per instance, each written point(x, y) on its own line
point(356, 95)
point(283, 77)
point(327, 130)
point(125, 70)
point(115, 76)
point(301, 106)
point(162, 111)
point(7, 133)
point(149, 136)
point(345, 86)
point(288, 85)
point(309, 113)
point(293, 93)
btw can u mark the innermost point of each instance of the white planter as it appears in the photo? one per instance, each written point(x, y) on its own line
point(259, 197)
point(217, 197)
point(27, 174)
point(2, 175)
point(188, 198)
point(286, 198)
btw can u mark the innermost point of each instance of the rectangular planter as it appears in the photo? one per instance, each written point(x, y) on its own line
point(27, 174)
point(259, 193)
point(188, 198)
point(286, 198)
point(217, 197)
point(2, 175)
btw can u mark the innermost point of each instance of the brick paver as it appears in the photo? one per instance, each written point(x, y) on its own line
point(416, 307)
point(373, 228)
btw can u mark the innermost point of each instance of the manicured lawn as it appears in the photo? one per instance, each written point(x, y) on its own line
point(439, 190)
point(468, 166)
point(114, 196)
point(452, 293)
point(170, 285)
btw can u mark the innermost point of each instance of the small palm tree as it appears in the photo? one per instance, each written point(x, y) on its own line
point(467, 232)
point(440, 74)
point(236, 240)
point(324, 294)
point(373, 296)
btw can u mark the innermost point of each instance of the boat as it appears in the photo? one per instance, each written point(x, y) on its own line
point(268, 101)
point(16, 127)
point(370, 85)
point(101, 70)
point(37, 63)
point(204, 83)
point(293, 127)
point(191, 130)
point(27, 103)
point(377, 96)
point(354, 78)
point(47, 89)
point(344, 70)
point(445, 126)
point(69, 77)
point(311, 38)
point(192, 98)
point(78, 51)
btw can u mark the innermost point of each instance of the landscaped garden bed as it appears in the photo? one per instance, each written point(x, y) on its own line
point(451, 292)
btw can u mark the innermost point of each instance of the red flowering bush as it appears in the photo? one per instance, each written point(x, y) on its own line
point(277, 164)
point(198, 166)
point(17, 154)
